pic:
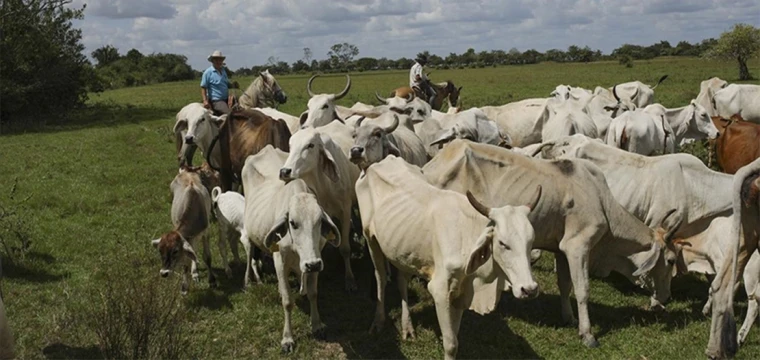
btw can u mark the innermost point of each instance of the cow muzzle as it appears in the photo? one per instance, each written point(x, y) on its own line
point(164, 273)
point(313, 266)
point(189, 139)
point(529, 291)
point(356, 153)
point(285, 173)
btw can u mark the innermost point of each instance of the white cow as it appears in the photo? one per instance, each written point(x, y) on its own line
point(191, 211)
point(467, 251)
point(229, 208)
point(742, 99)
point(315, 158)
point(690, 122)
point(588, 232)
point(641, 133)
point(640, 94)
point(650, 187)
point(286, 221)
point(291, 120)
point(321, 107)
point(707, 90)
point(196, 126)
point(471, 124)
point(565, 117)
point(519, 120)
point(373, 142)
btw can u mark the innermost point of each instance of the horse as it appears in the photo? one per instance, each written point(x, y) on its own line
point(445, 90)
point(264, 91)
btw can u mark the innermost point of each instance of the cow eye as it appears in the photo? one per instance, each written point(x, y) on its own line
point(503, 245)
point(377, 134)
point(201, 119)
point(293, 225)
point(420, 112)
point(310, 146)
point(324, 107)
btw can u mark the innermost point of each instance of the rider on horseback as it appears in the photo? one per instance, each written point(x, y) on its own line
point(419, 82)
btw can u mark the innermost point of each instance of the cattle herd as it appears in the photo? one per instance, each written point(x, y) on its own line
point(467, 199)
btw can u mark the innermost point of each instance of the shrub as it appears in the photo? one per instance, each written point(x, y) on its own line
point(136, 315)
point(15, 231)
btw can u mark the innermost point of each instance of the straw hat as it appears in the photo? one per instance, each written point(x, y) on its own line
point(216, 54)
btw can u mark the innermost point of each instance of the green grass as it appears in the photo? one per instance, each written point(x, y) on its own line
point(99, 192)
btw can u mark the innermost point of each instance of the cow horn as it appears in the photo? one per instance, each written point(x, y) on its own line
point(393, 126)
point(614, 93)
point(359, 122)
point(541, 148)
point(532, 205)
point(343, 93)
point(410, 97)
point(482, 209)
point(384, 101)
point(672, 229)
point(635, 94)
point(308, 85)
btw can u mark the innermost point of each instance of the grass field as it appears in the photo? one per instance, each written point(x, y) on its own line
point(90, 195)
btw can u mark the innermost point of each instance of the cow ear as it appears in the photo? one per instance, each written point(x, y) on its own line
point(155, 242)
point(336, 117)
point(330, 231)
point(180, 125)
point(446, 137)
point(189, 251)
point(610, 108)
point(328, 165)
point(277, 232)
point(481, 252)
point(302, 118)
point(391, 149)
point(219, 120)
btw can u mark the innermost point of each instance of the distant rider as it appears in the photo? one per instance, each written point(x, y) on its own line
point(417, 78)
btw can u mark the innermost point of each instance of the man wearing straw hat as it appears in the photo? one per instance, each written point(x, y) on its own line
point(215, 85)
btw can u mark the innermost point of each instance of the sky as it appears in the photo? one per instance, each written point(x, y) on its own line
point(250, 32)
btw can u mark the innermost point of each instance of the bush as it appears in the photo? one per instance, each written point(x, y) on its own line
point(15, 231)
point(137, 315)
point(626, 60)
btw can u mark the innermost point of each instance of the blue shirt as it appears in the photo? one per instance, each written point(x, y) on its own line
point(215, 84)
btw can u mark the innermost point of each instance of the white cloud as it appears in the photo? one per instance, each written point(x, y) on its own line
point(249, 32)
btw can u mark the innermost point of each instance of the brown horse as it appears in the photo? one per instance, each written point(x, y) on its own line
point(444, 90)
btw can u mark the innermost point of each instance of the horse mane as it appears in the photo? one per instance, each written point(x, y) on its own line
point(258, 95)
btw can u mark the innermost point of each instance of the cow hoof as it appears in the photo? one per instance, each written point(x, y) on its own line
point(408, 334)
point(590, 342)
point(288, 347)
point(377, 326)
point(706, 310)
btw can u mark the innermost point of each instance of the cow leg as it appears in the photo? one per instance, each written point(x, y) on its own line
point(708, 304)
point(749, 319)
point(407, 328)
point(345, 249)
point(378, 260)
point(194, 271)
point(751, 282)
point(576, 251)
point(248, 264)
point(449, 316)
point(565, 285)
point(317, 326)
point(185, 281)
point(224, 234)
point(287, 343)
point(234, 247)
point(207, 260)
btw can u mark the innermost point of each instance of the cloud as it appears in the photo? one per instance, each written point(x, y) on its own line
point(250, 32)
point(127, 9)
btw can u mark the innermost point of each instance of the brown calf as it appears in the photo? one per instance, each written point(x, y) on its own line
point(737, 145)
point(244, 133)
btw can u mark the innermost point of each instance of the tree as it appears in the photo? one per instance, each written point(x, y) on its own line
point(300, 66)
point(366, 63)
point(342, 54)
point(134, 56)
point(741, 43)
point(105, 55)
point(42, 65)
point(307, 55)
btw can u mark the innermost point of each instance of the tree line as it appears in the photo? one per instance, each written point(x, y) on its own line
point(45, 73)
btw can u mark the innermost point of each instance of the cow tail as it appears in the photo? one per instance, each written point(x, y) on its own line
point(215, 192)
point(210, 150)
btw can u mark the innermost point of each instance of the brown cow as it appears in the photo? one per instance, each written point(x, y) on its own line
point(244, 133)
point(737, 145)
point(444, 91)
